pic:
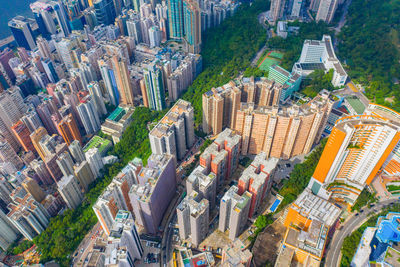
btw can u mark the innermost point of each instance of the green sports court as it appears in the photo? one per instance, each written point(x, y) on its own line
point(272, 58)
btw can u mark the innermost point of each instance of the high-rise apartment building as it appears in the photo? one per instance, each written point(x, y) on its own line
point(205, 184)
point(70, 191)
point(36, 136)
point(26, 214)
point(88, 114)
point(116, 196)
point(174, 134)
point(65, 163)
point(123, 241)
point(69, 130)
point(95, 161)
point(84, 175)
point(277, 10)
point(33, 188)
point(222, 156)
point(23, 136)
point(326, 10)
point(256, 180)
point(282, 132)
point(175, 19)
point(220, 104)
point(151, 197)
point(122, 77)
point(39, 167)
point(76, 151)
point(8, 233)
point(219, 108)
point(233, 212)
point(290, 82)
point(95, 92)
point(192, 25)
point(7, 154)
point(193, 218)
point(153, 87)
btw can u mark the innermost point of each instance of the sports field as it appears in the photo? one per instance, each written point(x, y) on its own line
point(272, 58)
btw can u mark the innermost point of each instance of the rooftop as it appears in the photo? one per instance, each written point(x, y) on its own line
point(101, 144)
point(315, 207)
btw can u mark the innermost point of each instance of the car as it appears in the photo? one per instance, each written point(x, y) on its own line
point(204, 248)
point(356, 215)
point(82, 250)
point(250, 232)
point(361, 211)
point(372, 205)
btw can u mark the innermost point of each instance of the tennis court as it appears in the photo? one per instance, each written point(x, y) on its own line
point(272, 58)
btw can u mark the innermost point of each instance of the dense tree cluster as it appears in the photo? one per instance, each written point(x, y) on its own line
point(227, 50)
point(364, 199)
point(369, 44)
point(317, 81)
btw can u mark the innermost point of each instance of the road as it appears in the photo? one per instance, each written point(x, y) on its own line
point(86, 243)
point(166, 242)
point(342, 20)
point(334, 251)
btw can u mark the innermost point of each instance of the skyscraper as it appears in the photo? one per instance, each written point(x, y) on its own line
point(26, 214)
point(68, 129)
point(277, 9)
point(219, 108)
point(89, 116)
point(174, 134)
point(36, 136)
point(282, 132)
point(8, 233)
point(7, 154)
point(76, 151)
point(175, 18)
point(193, 218)
point(154, 84)
point(110, 83)
point(105, 11)
point(233, 212)
point(65, 163)
point(95, 92)
point(95, 161)
point(124, 244)
point(23, 136)
point(122, 77)
point(70, 191)
point(84, 174)
point(22, 32)
point(152, 196)
point(326, 10)
point(192, 25)
point(32, 187)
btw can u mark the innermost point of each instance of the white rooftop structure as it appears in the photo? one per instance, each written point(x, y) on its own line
point(315, 207)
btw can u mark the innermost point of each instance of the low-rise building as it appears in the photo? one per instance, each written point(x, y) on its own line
point(117, 122)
